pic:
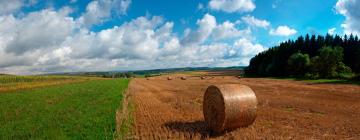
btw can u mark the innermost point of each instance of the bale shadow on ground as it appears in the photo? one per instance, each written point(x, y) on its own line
point(195, 127)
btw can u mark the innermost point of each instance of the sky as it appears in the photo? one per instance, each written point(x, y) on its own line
point(51, 36)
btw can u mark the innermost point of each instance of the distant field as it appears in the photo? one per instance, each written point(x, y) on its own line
point(84, 110)
point(11, 82)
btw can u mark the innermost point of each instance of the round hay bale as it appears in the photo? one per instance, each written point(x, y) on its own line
point(183, 78)
point(203, 77)
point(230, 106)
point(239, 76)
point(169, 78)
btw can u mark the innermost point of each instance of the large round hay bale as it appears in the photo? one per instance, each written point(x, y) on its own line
point(229, 106)
point(203, 77)
point(169, 78)
point(183, 78)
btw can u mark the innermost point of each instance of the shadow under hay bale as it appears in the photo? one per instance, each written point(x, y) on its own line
point(230, 106)
point(193, 128)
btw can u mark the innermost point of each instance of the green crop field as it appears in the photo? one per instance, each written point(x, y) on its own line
point(84, 110)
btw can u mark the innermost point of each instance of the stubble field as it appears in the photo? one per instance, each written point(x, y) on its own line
point(172, 109)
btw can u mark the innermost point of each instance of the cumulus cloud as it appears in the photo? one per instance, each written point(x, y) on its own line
point(252, 21)
point(38, 30)
point(99, 10)
point(231, 6)
point(227, 30)
point(10, 6)
point(51, 41)
point(283, 31)
point(206, 26)
point(349, 9)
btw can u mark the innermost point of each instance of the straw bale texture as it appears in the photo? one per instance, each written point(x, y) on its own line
point(230, 106)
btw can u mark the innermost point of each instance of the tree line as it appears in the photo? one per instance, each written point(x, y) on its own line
point(118, 75)
point(311, 57)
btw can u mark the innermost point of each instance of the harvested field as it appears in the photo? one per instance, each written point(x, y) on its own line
point(286, 109)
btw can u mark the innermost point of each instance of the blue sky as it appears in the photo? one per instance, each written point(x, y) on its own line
point(41, 36)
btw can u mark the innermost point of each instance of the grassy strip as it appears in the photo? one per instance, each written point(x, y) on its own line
point(321, 81)
point(124, 117)
point(126, 123)
point(333, 81)
point(84, 110)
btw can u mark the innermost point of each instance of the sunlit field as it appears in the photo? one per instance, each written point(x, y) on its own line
point(12, 82)
point(83, 110)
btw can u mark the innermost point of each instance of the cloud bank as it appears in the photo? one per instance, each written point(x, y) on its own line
point(51, 40)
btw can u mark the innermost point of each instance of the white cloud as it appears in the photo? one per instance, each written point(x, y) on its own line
point(247, 49)
point(51, 41)
point(252, 21)
point(231, 6)
point(10, 6)
point(38, 30)
point(283, 31)
point(98, 11)
point(349, 9)
point(227, 30)
point(206, 26)
point(331, 31)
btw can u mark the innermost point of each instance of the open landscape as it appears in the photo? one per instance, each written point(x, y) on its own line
point(159, 108)
point(179, 69)
point(172, 109)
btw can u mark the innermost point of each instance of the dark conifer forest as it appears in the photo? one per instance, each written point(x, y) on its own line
point(310, 57)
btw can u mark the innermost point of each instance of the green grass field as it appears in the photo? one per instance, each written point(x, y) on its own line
point(84, 110)
point(321, 81)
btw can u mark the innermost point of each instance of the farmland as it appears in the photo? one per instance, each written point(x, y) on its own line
point(68, 108)
point(172, 109)
point(12, 82)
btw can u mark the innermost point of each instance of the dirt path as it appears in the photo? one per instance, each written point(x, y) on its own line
point(172, 109)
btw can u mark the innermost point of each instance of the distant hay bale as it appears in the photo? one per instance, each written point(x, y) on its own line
point(203, 77)
point(230, 106)
point(239, 76)
point(169, 78)
point(183, 78)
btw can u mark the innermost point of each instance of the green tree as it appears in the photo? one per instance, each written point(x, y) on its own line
point(328, 62)
point(299, 64)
